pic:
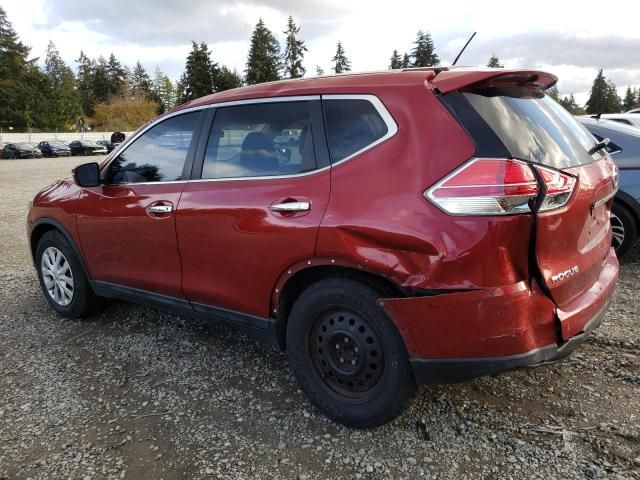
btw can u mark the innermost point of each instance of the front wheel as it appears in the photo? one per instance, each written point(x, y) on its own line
point(347, 354)
point(62, 278)
point(624, 229)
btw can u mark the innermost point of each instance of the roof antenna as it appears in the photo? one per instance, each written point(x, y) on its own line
point(463, 48)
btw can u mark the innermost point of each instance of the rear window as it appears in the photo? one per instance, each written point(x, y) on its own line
point(535, 129)
point(352, 126)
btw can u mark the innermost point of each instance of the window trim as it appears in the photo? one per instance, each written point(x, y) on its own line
point(207, 122)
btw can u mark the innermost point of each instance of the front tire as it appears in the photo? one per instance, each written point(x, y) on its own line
point(62, 278)
point(347, 354)
point(625, 229)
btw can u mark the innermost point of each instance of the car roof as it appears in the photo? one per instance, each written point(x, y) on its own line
point(603, 123)
point(444, 78)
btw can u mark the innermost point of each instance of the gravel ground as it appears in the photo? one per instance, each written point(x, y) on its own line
point(136, 393)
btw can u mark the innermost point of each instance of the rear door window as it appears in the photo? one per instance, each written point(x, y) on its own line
point(535, 129)
point(352, 126)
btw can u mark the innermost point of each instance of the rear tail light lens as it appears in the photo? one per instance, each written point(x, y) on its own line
point(488, 186)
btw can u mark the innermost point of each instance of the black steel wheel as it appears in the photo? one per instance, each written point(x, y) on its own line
point(347, 354)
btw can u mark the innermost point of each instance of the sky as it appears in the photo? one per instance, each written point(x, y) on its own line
point(571, 39)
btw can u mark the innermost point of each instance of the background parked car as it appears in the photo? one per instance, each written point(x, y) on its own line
point(54, 148)
point(87, 147)
point(21, 150)
point(630, 118)
point(625, 151)
point(107, 144)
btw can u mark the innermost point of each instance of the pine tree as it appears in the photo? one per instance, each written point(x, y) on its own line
point(341, 62)
point(141, 82)
point(424, 54)
point(629, 99)
point(84, 81)
point(319, 71)
point(553, 92)
point(396, 61)
point(406, 60)
point(569, 103)
point(198, 77)
point(227, 79)
point(164, 91)
point(13, 71)
point(117, 78)
point(65, 99)
point(604, 96)
point(293, 52)
point(263, 62)
point(494, 62)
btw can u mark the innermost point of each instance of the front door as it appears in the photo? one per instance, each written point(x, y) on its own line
point(257, 208)
point(127, 225)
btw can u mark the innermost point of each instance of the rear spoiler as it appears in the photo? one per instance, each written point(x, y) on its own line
point(491, 79)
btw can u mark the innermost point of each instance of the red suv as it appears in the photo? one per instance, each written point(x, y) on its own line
point(386, 229)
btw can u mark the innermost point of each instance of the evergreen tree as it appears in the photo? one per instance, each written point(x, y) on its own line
point(164, 91)
point(341, 62)
point(406, 60)
point(629, 99)
point(553, 92)
point(424, 54)
point(84, 81)
point(64, 98)
point(396, 61)
point(199, 74)
point(100, 81)
point(293, 52)
point(569, 103)
point(494, 62)
point(263, 62)
point(319, 71)
point(603, 97)
point(14, 68)
point(141, 85)
point(117, 78)
point(227, 79)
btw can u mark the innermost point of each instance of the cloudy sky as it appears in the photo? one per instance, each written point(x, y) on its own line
point(569, 38)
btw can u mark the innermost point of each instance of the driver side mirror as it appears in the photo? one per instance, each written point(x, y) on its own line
point(87, 175)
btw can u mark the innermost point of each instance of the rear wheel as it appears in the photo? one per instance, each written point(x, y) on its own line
point(624, 229)
point(347, 354)
point(62, 278)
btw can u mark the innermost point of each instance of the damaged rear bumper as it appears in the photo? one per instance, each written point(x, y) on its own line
point(459, 336)
point(460, 370)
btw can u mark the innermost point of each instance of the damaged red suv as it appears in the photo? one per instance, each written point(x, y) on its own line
point(386, 229)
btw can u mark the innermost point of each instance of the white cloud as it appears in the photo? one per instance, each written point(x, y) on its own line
point(568, 39)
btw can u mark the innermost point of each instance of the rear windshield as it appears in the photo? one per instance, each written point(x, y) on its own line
point(536, 129)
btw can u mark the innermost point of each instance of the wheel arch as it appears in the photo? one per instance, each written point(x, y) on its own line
point(630, 203)
point(44, 225)
point(293, 281)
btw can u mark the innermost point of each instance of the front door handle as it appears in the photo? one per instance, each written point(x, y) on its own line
point(291, 207)
point(160, 208)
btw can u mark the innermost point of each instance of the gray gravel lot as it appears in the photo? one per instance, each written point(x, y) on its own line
point(136, 393)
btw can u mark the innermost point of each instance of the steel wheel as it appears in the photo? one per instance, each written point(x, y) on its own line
point(346, 353)
point(57, 276)
point(617, 231)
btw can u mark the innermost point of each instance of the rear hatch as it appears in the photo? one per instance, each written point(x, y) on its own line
point(572, 231)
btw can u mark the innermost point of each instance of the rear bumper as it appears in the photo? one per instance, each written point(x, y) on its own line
point(463, 335)
point(460, 370)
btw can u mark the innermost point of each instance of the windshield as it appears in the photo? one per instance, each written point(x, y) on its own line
point(57, 143)
point(536, 129)
point(25, 145)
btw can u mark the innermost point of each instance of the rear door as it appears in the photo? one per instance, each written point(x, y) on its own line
point(572, 242)
point(257, 207)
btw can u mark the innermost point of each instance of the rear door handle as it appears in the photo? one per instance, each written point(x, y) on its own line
point(291, 207)
point(160, 208)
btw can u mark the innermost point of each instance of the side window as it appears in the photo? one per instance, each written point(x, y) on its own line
point(621, 120)
point(351, 126)
point(159, 154)
point(261, 139)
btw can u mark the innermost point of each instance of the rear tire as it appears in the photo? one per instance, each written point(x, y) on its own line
point(347, 354)
point(625, 229)
point(62, 278)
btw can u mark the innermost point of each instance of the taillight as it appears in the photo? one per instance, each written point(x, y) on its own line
point(492, 186)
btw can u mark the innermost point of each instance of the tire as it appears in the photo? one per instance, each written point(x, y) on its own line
point(347, 354)
point(625, 229)
point(82, 300)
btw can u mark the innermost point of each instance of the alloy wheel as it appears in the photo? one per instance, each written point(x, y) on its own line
point(57, 276)
point(617, 230)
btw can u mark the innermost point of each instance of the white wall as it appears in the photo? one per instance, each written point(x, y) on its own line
point(7, 137)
